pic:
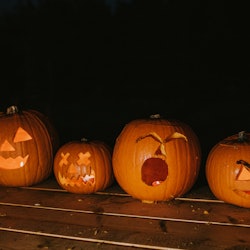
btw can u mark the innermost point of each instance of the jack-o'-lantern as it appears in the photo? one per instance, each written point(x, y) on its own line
point(84, 166)
point(156, 159)
point(26, 148)
point(228, 169)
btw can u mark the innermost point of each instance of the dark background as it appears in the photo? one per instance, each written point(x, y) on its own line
point(94, 65)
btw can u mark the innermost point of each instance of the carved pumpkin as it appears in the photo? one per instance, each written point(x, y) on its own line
point(84, 166)
point(156, 159)
point(228, 169)
point(26, 148)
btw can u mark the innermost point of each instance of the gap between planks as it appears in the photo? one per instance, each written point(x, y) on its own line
point(127, 215)
point(88, 239)
point(124, 194)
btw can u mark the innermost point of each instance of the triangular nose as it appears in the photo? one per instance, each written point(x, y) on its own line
point(6, 146)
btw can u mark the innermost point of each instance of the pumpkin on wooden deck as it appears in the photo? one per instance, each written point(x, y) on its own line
point(84, 166)
point(156, 159)
point(26, 148)
point(228, 169)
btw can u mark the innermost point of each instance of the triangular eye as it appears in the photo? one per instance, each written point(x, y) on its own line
point(244, 175)
point(21, 135)
point(6, 146)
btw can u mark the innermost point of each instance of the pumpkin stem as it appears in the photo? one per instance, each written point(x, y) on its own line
point(12, 110)
point(84, 139)
point(242, 136)
point(155, 116)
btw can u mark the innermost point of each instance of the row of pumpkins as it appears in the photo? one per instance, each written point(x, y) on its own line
point(153, 159)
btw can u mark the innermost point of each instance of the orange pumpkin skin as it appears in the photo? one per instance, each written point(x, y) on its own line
point(84, 167)
point(156, 159)
point(227, 170)
point(26, 149)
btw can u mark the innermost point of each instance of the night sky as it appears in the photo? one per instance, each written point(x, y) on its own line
point(92, 66)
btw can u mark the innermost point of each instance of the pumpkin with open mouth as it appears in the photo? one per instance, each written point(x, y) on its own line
point(228, 169)
point(156, 159)
point(26, 147)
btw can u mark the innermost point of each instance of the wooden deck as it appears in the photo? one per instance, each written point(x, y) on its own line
point(46, 217)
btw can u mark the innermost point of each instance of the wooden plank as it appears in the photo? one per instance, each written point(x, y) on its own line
point(17, 240)
point(126, 231)
point(201, 212)
point(47, 216)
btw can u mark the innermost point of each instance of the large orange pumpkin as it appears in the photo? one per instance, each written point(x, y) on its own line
point(84, 166)
point(26, 148)
point(156, 159)
point(228, 169)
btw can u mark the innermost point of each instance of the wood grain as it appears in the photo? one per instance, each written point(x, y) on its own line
point(47, 217)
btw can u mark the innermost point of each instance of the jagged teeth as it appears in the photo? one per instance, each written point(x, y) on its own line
point(73, 181)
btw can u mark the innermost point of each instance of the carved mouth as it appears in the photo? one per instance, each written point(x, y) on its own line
point(243, 193)
point(77, 181)
point(13, 163)
point(154, 171)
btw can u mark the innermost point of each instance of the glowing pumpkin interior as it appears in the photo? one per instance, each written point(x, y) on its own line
point(242, 181)
point(76, 171)
point(8, 156)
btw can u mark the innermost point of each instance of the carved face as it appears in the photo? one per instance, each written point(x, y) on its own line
point(76, 170)
point(26, 153)
point(83, 167)
point(154, 170)
point(228, 170)
point(10, 157)
point(230, 182)
point(241, 183)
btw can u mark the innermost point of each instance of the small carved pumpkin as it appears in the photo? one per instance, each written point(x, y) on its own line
point(228, 169)
point(84, 166)
point(26, 148)
point(156, 159)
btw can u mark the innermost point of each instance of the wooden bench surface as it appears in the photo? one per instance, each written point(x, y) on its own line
point(47, 217)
